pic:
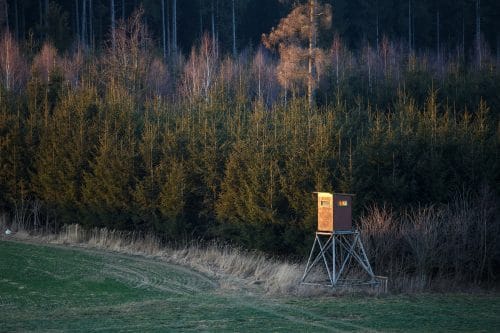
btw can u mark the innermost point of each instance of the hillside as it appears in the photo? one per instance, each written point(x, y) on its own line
point(161, 118)
point(47, 287)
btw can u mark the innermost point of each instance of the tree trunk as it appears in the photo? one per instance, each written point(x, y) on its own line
point(217, 16)
point(234, 31)
point(478, 32)
point(409, 26)
point(77, 19)
point(84, 22)
point(8, 43)
point(201, 17)
point(377, 28)
point(463, 30)
point(23, 20)
point(174, 26)
point(169, 39)
point(40, 12)
point(312, 46)
point(369, 61)
point(113, 35)
point(163, 30)
point(498, 51)
point(337, 67)
point(438, 42)
point(46, 15)
point(91, 25)
point(213, 22)
point(413, 32)
point(16, 20)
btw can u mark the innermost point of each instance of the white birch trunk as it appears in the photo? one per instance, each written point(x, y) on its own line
point(8, 40)
point(113, 32)
point(84, 22)
point(377, 28)
point(409, 26)
point(438, 41)
point(163, 29)
point(77, 18)
point(498, 51)
point(201, 17)
point(478, 31)
point(213, 22)
point(40, 12)
point(169, 40)
point(46, 14)
point(91, 24)
point(5, 6)
point(234, 31)
point(312, 46)
point(16, 20)
point(463, 31)
point(174, 26)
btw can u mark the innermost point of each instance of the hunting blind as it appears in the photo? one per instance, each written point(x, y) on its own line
point(337, 249)
point(334, 212)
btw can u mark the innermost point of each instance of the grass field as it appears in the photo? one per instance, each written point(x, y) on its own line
point(53, 288)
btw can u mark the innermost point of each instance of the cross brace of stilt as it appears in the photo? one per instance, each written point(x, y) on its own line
point(337, 252)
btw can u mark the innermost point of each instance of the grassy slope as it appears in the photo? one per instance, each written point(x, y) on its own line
point(55, 288)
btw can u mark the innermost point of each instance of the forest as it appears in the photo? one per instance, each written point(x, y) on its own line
point(237, 24)
point(217, 119)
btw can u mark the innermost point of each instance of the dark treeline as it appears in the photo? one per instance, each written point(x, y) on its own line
point(215, 146)
point(451, 24)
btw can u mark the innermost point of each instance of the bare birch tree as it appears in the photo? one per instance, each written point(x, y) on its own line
point(12, 64)
point(46, 62)
point(200, 70)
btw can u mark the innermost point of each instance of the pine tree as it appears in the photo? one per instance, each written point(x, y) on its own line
point(109, 183)
point(63, 155)
point(15, 185)
point(148, 183)
point(172, 200)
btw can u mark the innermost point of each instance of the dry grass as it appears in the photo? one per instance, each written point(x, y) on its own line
point(448, 247)
point(234, 268)
point(420, 249)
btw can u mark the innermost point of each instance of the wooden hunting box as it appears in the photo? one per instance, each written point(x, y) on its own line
point(334, 211)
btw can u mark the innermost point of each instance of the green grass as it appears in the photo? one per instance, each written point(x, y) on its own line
point(54, 288)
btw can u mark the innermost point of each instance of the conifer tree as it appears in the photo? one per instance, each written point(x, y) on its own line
point(148, 182)
point(15, 184)
point(64, 152)
point(172, 200)
point(250, 189)
point(108, 185)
